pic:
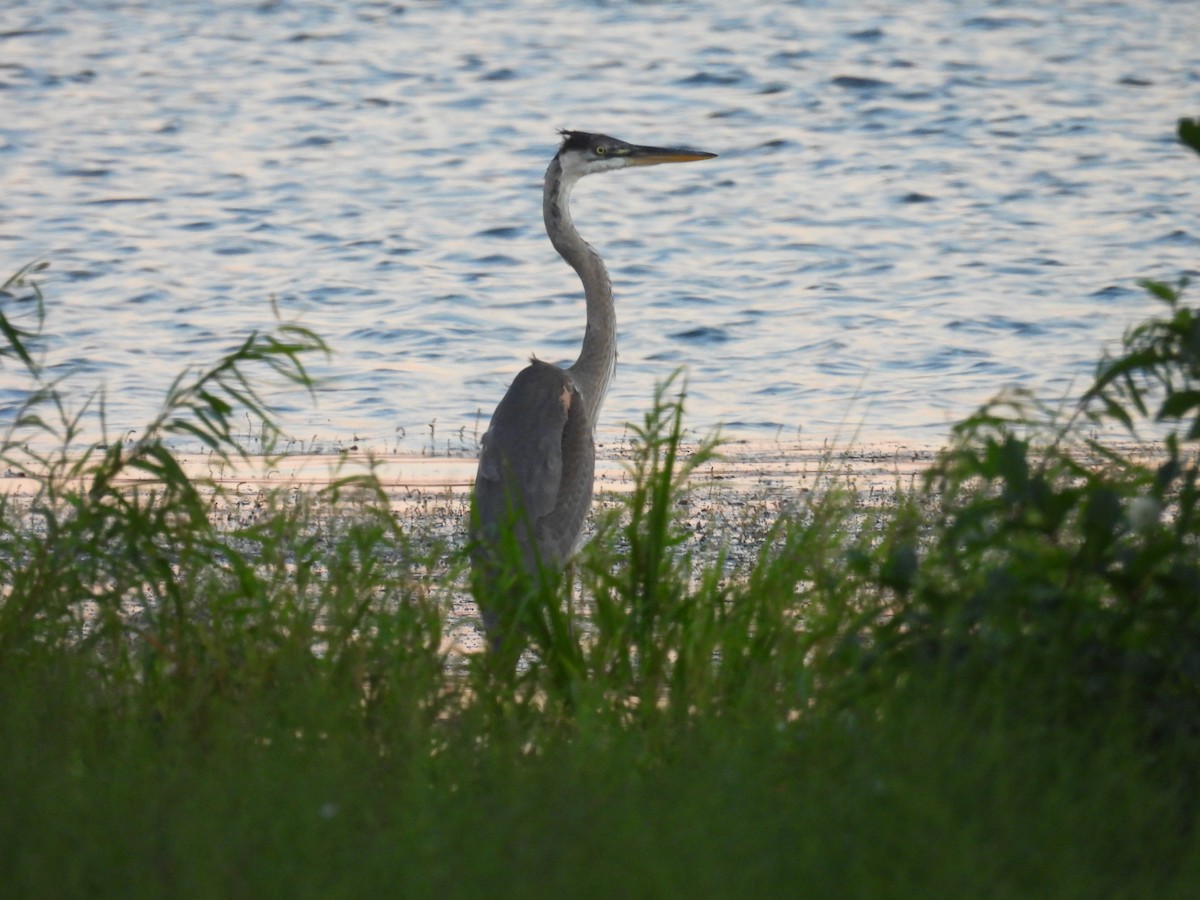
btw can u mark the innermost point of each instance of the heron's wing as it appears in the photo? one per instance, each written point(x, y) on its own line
point(536, 456)
point(522, 450)
point(560, 530)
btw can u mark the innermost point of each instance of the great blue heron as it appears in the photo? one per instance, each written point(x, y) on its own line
point(533, 487)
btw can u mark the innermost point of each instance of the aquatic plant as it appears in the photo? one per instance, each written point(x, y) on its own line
point(123, 567)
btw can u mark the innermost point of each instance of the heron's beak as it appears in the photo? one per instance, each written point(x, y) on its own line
point(652, 156)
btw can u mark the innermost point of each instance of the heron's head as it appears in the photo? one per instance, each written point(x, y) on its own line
point(582, 153)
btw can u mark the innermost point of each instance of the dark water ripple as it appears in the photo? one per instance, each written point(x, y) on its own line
point(913, 206)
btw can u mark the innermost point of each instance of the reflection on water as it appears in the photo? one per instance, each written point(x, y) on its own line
point(914, 204)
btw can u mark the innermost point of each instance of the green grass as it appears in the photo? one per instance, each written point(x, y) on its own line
point(988, 687)
point(933, 799)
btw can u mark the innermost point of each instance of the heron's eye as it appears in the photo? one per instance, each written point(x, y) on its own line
point(600, 151)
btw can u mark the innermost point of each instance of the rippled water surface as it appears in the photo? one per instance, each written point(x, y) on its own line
point(915, 203)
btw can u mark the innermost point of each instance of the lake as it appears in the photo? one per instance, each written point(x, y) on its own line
point(915, 204)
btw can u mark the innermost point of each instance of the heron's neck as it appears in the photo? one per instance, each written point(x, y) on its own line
point(594, 368)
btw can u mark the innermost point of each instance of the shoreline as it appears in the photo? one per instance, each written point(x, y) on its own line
point(740, 468)
point(745, 463)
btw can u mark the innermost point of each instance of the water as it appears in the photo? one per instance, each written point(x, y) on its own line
point(915, 203)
